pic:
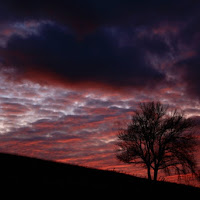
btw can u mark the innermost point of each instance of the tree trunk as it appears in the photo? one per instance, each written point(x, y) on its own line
point(149, 173)
point(155, 174)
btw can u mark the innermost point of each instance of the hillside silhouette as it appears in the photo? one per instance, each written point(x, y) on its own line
point(23, 175)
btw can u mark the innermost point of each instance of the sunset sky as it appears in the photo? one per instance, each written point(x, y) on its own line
point(70, 71)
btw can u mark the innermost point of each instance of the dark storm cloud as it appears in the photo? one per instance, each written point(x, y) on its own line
point(188, 67)
point(99, 41)
point(190, 33)
point(189, 70)
point(96, 58)
point(154, 44)
point(89, 14)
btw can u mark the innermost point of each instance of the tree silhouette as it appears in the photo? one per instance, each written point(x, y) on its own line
point(158, 139)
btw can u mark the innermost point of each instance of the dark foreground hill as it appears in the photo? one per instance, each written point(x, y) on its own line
point(21, 176)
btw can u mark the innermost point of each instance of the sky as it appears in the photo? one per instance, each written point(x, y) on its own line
point(72, 71)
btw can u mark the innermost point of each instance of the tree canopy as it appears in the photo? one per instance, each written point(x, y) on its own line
point(158, 139)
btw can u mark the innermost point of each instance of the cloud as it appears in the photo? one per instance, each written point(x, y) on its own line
point(189, 73)
point(97, 58)
point(187, 67)
point(88, 15)
point(13, 108)
point(43, 127)
point(115, 45)
point(85, 139)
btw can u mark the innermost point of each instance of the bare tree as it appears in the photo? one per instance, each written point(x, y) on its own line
point(158, 139)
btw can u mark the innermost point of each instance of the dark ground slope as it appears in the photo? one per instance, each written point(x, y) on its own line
point(34, 177)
